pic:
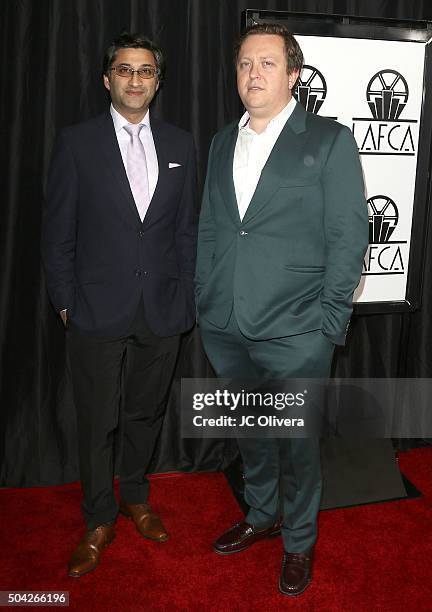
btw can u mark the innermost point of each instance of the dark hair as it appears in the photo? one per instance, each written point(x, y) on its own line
point(126, 40)
point(293, 53)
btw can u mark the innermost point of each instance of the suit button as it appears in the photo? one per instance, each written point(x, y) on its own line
point(140, 233)
point(137, 272)
point(243, 233)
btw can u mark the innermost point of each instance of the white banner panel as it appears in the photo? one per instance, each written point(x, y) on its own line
point(375, 88)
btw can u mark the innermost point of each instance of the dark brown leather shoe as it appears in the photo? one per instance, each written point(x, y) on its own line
point(148, 524)
point(87, 554)
point(296, 573)
point(241, 536)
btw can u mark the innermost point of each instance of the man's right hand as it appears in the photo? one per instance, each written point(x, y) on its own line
point(63, 315)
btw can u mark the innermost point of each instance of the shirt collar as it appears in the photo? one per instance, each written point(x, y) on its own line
point(279, 120)
point(120, 121)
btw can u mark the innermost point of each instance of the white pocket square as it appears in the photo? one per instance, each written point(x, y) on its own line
point(173, 165)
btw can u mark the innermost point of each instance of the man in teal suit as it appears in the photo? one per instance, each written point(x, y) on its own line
point(282, 235)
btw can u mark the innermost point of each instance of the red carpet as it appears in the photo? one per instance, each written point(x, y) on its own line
point(375, 557)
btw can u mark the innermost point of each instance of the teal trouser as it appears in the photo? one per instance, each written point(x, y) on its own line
point(282, 476)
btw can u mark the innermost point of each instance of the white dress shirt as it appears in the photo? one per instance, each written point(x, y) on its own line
point(146, 138)
point(252, 152)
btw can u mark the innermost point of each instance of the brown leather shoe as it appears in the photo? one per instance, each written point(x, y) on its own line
point(148, 524)
point(87, 554)
point(241, 536)
point(296, 573)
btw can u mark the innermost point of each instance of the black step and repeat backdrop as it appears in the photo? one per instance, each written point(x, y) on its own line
point(51, 53)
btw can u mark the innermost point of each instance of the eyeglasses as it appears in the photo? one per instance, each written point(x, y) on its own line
point(148, 72)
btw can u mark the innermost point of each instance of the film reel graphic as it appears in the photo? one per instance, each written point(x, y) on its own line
point(387, 94)
point(383, 218)
point(311, 89)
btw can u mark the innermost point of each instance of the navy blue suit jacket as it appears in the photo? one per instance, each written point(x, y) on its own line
point(99, 258)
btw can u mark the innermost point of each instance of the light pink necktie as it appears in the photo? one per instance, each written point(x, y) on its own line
point(137, 169)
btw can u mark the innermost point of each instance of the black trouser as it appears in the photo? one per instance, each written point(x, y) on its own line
point(145, 363)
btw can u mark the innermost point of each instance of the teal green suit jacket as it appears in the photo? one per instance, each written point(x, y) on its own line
point(292, 264)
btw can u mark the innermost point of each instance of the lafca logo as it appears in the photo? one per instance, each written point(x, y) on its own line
point(386, 133)
point(384, 256)
point(387, 95)
point(311, 89)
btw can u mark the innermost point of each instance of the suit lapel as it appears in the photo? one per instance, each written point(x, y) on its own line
point(162, 153)
point(111, 153)
point(281, 162)
point(225, 176)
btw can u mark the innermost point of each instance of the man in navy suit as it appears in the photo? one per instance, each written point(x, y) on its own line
point(119, 242)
